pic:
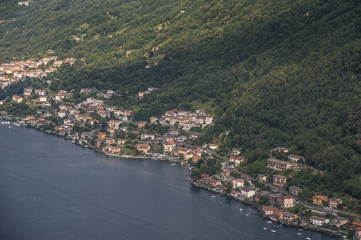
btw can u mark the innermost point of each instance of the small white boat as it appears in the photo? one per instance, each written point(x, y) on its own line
point(269, 221)
point(265, 228)
point(240, 209)
point(247, 214)
point(308, 238)
point(213, 196)
point(299, 234)
point(273, 231)
point(173, 164)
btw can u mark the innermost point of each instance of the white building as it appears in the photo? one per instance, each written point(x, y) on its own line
point(42, 98)
point(237, 183)
point(147, 136)
point(316, 220)
point(247, 192)
point(62, 114)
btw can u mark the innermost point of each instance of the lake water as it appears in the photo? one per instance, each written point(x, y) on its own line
point(53, 189)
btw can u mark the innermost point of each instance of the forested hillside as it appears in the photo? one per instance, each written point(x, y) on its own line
point(274, 73)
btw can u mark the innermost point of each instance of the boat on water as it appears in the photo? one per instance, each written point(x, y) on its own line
point(173, 164)
point(269, 221)
point(308, 238)
point(240, 209)
point(213, 196)
point(265, 228)
point(273, 231)
point(247, 214)
point(279, 225)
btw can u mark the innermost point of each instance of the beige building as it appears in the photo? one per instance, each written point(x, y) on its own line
point(237, 183)
point(169, 146)
point(17, 99)
point(279, 180)
point(289, 217)
point(277, 164)
point(288, 201)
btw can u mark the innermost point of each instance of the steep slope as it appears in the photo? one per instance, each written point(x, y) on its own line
point(273, 72)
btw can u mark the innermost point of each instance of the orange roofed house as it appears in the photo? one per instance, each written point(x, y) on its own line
point(141, 124)
point(195, 159)
point(17, 99)
point(143, 147)
point(101, 135)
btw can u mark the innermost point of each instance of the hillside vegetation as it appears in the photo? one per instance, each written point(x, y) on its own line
point(274, 73)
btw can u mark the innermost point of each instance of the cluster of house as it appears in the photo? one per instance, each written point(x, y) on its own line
point(277, 180)
point(148, 91)
point(239, 190)
point(184, 119)
point(279, 202)
point(235, 161)
point(279, 214)
point(285, 202)
point(19, 70)
point(356, 226)
point(172, 143)
point(81, 113)
point(220, 182)
point(324, 200)
point(319, 221)
point(44, 98)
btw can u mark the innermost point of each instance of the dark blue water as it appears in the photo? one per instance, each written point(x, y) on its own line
point(53, 189)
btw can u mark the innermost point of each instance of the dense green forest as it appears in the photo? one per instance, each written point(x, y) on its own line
point(273, 73)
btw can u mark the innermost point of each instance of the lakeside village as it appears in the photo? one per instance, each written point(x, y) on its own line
point(90, 122)
point(279, 202)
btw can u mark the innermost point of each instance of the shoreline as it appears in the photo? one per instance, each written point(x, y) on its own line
point(265, 217)
point(245, 201)
point(9, 121)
